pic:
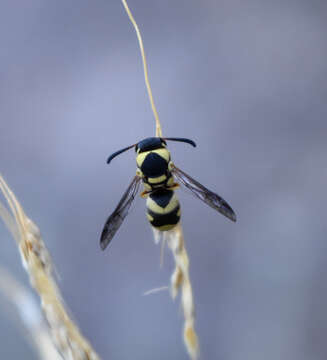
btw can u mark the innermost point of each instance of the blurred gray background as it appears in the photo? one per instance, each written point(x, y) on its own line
point(247, 81)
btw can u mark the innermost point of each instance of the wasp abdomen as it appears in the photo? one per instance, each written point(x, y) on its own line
point(163, 209)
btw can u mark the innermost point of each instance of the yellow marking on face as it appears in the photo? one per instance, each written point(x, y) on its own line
point(153, 206)
point(179, 213)
point(157, 179)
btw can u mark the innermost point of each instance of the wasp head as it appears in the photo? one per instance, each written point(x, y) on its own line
point(151, 143)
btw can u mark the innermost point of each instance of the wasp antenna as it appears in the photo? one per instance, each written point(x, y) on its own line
point(118, 153)
point(188, 141)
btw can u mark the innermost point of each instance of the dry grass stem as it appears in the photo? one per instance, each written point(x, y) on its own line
point(156, 290)
point(145, 68)
point(175, 239)
point(34, 327)
point(180, 280)
point(37, 262)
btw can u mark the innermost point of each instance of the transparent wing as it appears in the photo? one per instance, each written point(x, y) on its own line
point(117, 217)
point(201, 192)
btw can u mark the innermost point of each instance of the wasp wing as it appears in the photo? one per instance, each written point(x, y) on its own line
point(201, 192)
point(117, 217)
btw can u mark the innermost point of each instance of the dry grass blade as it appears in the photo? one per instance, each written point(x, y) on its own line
point(37, 262)
point(180, 280)
point(34, 326)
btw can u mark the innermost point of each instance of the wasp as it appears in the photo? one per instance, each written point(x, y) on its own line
point(158, 173)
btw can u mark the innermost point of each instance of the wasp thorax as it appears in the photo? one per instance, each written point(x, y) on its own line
point(152, 158)
point(163, 210)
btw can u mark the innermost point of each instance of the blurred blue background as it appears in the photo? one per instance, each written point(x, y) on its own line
point(247, 81)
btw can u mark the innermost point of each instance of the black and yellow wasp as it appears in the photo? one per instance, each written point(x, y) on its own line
point(158, 173)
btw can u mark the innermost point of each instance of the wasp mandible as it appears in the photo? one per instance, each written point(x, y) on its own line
point(158, 173)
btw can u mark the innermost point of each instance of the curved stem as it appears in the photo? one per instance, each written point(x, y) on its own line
point(145, 68)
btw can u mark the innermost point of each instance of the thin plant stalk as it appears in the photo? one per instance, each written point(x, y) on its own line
point(145, 68)
point(180, 279)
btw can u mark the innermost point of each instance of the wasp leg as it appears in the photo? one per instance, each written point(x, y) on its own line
point(174, 186)
point(144, 194)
